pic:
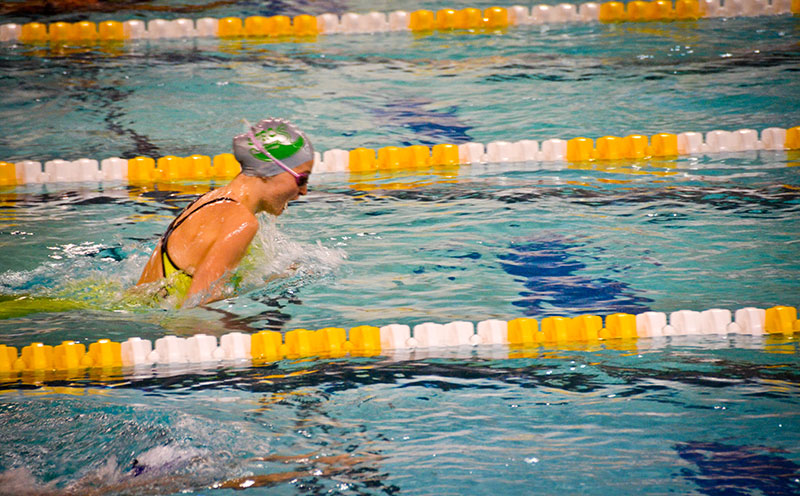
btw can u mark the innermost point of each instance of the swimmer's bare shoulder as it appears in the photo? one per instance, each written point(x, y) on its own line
point(209, 245)
point(237, 226)
point(201, 231)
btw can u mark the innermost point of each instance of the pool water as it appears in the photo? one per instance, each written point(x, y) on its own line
point(693, 417)
point(534, 82)
point(690, 415)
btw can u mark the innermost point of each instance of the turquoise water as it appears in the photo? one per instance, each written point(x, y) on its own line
point(695, 415)
point(560, 81)
point(415, 247)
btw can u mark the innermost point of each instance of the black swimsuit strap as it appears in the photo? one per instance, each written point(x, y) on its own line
point(176, 223)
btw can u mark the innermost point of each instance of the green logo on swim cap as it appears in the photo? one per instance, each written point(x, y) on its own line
point(277, 142)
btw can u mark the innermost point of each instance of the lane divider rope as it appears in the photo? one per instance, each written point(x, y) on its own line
point(271, 346)
point(147, 170)
point(304, 26)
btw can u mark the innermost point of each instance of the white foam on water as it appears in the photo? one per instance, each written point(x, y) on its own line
point(21, 482)
point(274, 259)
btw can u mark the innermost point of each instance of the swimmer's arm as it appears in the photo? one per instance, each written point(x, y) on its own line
point(152, 271)
point(222, 257)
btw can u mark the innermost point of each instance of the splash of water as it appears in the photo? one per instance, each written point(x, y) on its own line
point(276, 263)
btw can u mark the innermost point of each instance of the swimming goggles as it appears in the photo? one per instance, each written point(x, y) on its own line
point(301, 179)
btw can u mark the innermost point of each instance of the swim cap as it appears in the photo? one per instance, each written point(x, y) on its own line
point(281, 139)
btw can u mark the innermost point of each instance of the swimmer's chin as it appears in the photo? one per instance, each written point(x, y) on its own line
point(277, 211)
point(281, 210)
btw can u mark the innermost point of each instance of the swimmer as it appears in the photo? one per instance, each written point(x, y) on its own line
point(206, 241)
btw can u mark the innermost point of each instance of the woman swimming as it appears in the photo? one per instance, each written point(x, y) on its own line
point(208, 239)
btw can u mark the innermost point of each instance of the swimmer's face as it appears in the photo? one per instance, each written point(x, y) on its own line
point(286, 189)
